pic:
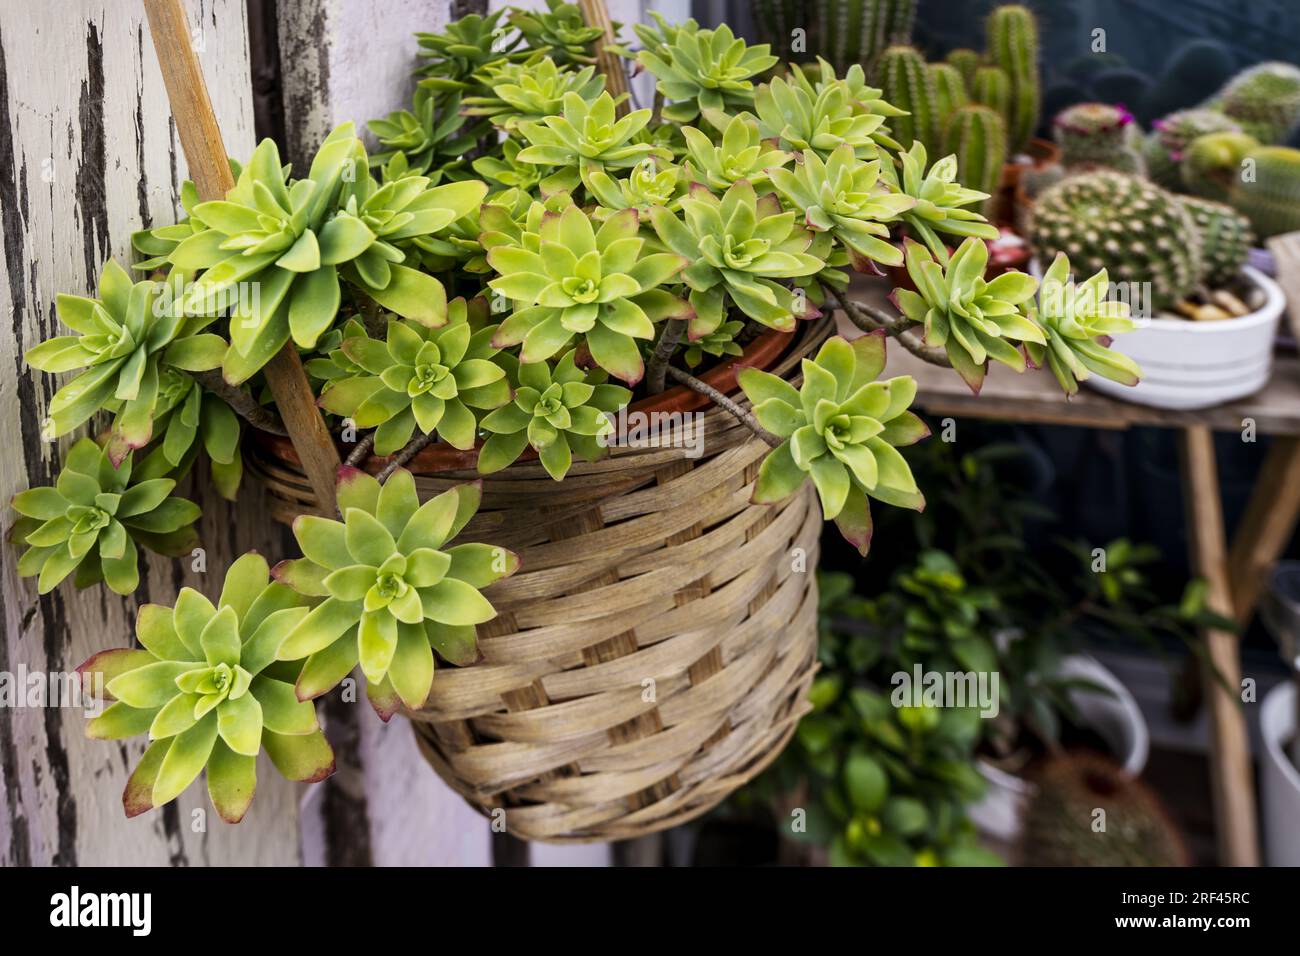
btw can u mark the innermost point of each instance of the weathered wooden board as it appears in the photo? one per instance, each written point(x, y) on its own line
point(88, 153)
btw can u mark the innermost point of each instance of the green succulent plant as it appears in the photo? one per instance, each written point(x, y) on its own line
point(468, 45)
point(432, 379)
point(802, 115)
point(741, 154)
point(649, 184)
point(842, 429)
point(586, 135)
point(739, 245)
point(718, 343)
point(557, 411)
point(846, 197)
point(90, 521)
point(433, 137)
point(559, 31)
point(597, 283)
point(940, 199)
point(393, 591)
point(529, 92)
point(972, 319)
point(208, 691)
point(700, 70)
point(188, 417)
point(128, 340)
point(1078, 321)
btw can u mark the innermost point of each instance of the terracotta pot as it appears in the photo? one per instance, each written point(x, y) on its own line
point(761, 353)
point(1042, 153)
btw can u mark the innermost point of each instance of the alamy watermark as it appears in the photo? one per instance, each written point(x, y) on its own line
point(25, 688)
point(639, 429)
point(959, 689)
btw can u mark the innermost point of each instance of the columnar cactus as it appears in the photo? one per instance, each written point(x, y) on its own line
point(949, 92)
point(1097, 134)
point(907, 84)
point(1265, 100)
point(1226, 238)
point(1169, 139)
point(966, 61)
point(1013, 45)
point(991, 87)
point(977, 136)
point(1137, 232)
point(1059, 825)
point(1271, 199)
point(1213, 162)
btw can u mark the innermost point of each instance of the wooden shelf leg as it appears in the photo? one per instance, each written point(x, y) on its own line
point(1267, 525)
point(1230, 765)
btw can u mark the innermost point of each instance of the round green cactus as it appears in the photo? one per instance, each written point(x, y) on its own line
point(1098, 134)
point(92, 517)
point(210, 694)
point(1270, 197)
point(977, 136)
point(1213, 162)
point(1226, 239)
point(1137, 232)
point(842, 429)
point(1062, 826)
point(393, 592)
point(1167, 144)
point(1265, 100)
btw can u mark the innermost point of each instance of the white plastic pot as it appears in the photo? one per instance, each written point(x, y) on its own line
point(1187, 364)
point(1115, 717)
point(1279, 778)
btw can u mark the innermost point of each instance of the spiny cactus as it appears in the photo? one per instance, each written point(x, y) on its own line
point(1225, 236)
point(1013, 45)
point(907, 84)
point(992, 88)
point(1097, 134)
point(1137, 232)
point(1271, 199)
point(949, 91)
point(1265, 100)
point(967, 61)
point(1170, 137)
point(843, 32)
point(978, 137)
point(1213, 162)
point(1063, 828)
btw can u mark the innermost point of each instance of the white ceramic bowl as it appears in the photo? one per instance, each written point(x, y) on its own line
point(1187, 364)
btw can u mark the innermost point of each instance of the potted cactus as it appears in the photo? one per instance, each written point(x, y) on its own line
point(484, 335)
point(1206, 320)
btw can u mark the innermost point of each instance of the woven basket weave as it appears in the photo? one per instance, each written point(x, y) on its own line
point(652, 654)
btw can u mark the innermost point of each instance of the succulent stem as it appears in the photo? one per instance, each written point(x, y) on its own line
point(656, 368)
point(241, 402)
point(726, 404)
point(412, 449)
point(870, 319)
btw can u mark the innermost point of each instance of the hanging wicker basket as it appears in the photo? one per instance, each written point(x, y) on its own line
point(654, 651)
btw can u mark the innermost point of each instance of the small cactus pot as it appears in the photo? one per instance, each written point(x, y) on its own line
point(1114, 716)
point(1188, 365)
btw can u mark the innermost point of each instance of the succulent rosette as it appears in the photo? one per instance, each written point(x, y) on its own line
point(846, 197)
point(559, 31)
point(822, 117)
point(939, 200)
point(208, 691)
point(650, 183)
point(972, 319)
point(189, 418)
point(393, 592)
point(572, 280)
point(737, 247)
point(432, 135)
point(741, 154)
point(558, 412)
point(127, 341)
point(529, 92)
point(718, 343)
point(433, 379)
point(842, 429)
point(1079, 320)
point(701, 70)
point(90, 520)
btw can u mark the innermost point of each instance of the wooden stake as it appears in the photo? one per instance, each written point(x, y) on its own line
point(200, 136)
point(608, 62)
point(1233, 783)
